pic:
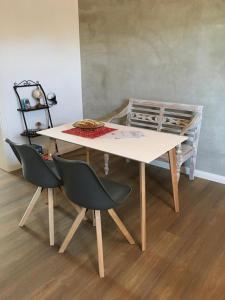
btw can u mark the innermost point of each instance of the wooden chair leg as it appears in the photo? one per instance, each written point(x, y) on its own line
point(121, 226)
point(99, 243)
point(93, 219)
point(30, 206)
point(51, 217)
point(173, 170)
point(72, 230)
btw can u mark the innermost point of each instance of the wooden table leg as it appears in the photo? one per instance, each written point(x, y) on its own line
point(143, 206)
point(51, 217)
point(88, 156)
point(173, 170)
point(51, 148)
point(88, 162)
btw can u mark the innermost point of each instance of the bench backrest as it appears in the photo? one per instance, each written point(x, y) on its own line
point(165, 116)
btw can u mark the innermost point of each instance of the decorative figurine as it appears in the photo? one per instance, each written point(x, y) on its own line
point(37, 94)
point(38, 125)
point(23, 103)
point(51, 97)
point(27, 104)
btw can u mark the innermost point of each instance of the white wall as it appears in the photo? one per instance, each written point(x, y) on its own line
point(3, 162)
point(39, 40)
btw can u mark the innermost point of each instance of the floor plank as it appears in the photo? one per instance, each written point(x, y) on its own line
point(185, 258)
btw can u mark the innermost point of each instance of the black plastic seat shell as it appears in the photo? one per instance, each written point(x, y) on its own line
point(85, 189)
point(36, 170)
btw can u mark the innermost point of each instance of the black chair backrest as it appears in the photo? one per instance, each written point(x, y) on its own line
point(82, 185)
point(35, 169)
point(12, 145)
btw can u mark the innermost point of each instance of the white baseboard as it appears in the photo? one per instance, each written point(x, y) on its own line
point(198, 173)
point(210, 176)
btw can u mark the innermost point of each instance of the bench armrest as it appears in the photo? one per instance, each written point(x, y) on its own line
point(193, 124)
point(124, 112)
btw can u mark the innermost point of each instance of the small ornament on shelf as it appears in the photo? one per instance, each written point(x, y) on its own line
point(25, 104)
point(51, 97)
point(37, 94)
point(38, 125)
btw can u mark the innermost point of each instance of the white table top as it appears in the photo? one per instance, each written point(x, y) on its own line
point(142, 149)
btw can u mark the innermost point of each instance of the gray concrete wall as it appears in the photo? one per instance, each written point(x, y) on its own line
point(171, 50)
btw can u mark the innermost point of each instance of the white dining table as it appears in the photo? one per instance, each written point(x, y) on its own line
point(144, 148)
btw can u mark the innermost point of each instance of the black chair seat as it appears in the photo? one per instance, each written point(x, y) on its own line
point(118, 192)
point(84, 188)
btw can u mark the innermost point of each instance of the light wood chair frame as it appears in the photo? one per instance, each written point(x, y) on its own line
point(31, 205)
point(97, 213)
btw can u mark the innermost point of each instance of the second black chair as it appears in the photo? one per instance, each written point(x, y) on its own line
point(42, 174)
point(85, 189)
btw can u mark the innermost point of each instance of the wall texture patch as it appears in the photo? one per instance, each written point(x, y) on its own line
point(160, 50)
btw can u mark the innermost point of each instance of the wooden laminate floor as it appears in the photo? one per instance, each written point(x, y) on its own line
point(185, 259)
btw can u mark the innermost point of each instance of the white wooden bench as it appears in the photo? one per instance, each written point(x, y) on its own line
point(182, 119)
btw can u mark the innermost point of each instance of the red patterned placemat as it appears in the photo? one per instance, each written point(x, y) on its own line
point(91, 134)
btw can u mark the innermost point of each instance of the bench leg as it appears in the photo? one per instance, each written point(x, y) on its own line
point(178, 170)
point(192, 167)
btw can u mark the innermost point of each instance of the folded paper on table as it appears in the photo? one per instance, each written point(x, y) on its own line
point(125, 134)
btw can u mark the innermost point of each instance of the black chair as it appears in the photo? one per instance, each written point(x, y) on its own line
point(42, 174)
point(84, 188)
